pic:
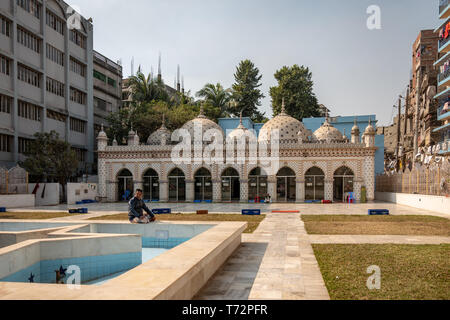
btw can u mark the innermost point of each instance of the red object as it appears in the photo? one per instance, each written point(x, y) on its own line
point(285, 211)
point(327, 201)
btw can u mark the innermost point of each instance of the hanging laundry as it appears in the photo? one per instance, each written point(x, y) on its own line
point(36, 187)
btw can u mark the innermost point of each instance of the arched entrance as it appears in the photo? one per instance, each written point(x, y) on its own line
point(286, 185)
point(257, 184)
point(151, 185)
point(231, 185)
point(203, 185)
point(315, 184)
point(177, 185)
point(125, 185)
point(343, 184)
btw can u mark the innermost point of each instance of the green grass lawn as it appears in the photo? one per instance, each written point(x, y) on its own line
point(377, 225)
point(33, 215)
point(253, 221)
point(408, 272)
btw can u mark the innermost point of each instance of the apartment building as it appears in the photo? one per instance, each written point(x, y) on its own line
point(443, 82)
point(52, 79)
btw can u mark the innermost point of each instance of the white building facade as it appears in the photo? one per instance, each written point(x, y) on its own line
point(290, 164)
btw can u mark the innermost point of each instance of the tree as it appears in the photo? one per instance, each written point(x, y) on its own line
point(147, 89)
point(246, 95)
point(49, 158)
point(216, 96)
point(295, 85)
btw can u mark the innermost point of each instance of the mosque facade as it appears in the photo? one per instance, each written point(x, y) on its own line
point(284, 163)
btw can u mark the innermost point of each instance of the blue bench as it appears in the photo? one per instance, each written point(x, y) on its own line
point(79, 210)
point(162, 211)
point(251, 212)
point(2, 209)
point(378, 212)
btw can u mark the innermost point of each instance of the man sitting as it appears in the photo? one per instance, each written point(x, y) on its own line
point(136, 208)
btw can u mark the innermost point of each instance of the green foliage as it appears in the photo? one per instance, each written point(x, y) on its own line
point(246, 95)
point(216, 96)
point(296, 86)
point(147, 89)
point(50, 157)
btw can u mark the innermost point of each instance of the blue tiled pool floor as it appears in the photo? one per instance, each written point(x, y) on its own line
point(147, 255)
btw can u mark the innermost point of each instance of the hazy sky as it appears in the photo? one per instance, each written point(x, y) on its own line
point(355, 70)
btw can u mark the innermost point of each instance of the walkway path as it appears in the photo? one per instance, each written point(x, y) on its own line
point(275, 262)
point(378, 239)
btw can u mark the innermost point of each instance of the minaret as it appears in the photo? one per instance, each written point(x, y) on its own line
point(182, 84)
point(102, 140)
point(159, 68)
point(356, 133)
point(283, 107)
point(178, 79)
point(369, 135)
point(131, 137)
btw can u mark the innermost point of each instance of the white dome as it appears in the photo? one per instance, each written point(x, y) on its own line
point(240, 131)
point(201, 122)
point(290, 129)
point(328, 133)
point(160, 136)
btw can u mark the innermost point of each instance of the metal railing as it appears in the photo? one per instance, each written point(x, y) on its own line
point(433, 180)
point(442, 115)
point(13, 181)
point(443, 75)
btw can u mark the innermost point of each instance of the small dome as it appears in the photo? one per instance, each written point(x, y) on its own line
point(203, 122)
point(240, 131)
point(327, 133)
point(355, 129)
point(290, 129)
point(160, 136)
point(370, 130)
point(102, 134)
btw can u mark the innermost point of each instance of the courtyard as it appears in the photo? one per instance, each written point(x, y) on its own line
point(320, 253)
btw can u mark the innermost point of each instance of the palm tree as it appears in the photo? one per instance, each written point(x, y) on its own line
point(147, 89)
point(215, 95)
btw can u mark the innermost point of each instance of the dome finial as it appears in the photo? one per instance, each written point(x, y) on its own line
point(240, 121)
point(283, 106)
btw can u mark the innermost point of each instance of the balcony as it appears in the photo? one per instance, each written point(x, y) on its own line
point(444, 147)
point(444, 79)
point(444, 45)
point(444, 9)
point(442, 115)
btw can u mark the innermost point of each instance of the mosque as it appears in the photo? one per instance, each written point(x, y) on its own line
point(311, 167)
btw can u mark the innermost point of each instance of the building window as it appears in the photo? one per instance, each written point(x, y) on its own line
point(55, 22)
point(5, 143)
point(28, 75)
point(77, 96)
point(112, 82)
point(29, 111)
point(28, 40)
point(78, 38)
point(55, 87)
point(77, 67)
point(5, 27)
point(24, 145)
point(100, 104)
point(77, 125)
point(5, 64)
point(81, 154)
point(31, 6)
point(5, 104)
point(56, 116)
point(55, 55)
point(100, 76)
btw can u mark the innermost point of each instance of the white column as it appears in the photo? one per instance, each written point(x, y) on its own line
point(244, 191)
point(163, 191)
point(272, 188)
point(300, 190)
point(329, 190)
point(190, 191)
point(217, 190)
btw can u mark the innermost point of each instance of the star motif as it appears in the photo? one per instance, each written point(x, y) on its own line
point(31, 278)
point(62, 271)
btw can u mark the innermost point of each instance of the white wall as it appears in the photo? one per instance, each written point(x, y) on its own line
point(432, 203)
point(17, 201)
point(51, 193)
point(81, 191)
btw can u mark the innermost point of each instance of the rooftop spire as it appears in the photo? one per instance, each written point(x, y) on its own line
point(159, 68)
point(283, 107)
